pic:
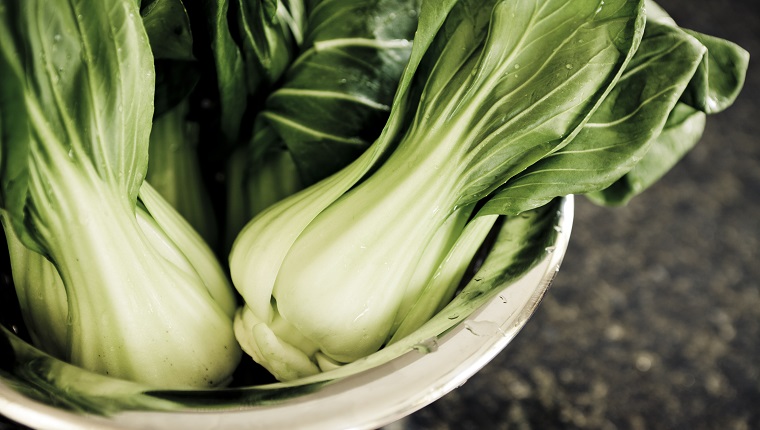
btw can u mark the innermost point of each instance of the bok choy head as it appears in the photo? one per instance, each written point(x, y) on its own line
point(491, 88)
point(75, 114)
point(503, 106)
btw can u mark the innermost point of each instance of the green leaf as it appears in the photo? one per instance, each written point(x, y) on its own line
point(720, 77)
point(62, 385)
point(682, 131)
point(171, 40)
point(15, 131)
point(168, 28)
point(269, 33)
point(535, 101)
point(619, 132)
point(334, 100)
point(229, 67)
point(713, 88)
point(337, 94)
point(67, 55)
point(252, 44)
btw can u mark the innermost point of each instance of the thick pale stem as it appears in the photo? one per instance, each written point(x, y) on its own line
point(343, 280)
point(132, 313)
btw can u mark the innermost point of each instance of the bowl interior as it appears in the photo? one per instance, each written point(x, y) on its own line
point(41, 391)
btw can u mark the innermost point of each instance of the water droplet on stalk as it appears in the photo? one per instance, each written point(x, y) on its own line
point(427, 346)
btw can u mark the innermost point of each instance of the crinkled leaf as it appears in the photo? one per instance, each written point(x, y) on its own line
point(720, 76)
point(333, 102)
point(714, 87)
point(337, 94)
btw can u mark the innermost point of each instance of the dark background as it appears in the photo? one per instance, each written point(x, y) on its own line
point(654, 319)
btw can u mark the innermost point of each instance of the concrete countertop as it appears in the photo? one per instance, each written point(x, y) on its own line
point(654, 319)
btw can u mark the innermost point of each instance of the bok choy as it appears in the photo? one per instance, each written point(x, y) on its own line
point(503, 106)
point(144, 297)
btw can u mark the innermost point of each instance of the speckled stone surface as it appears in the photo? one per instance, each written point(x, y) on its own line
point(654, 319)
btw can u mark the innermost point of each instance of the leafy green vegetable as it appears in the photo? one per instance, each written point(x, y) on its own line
point(475, 124)
point(42, 294)
point(85, 76)
point(503, 107)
